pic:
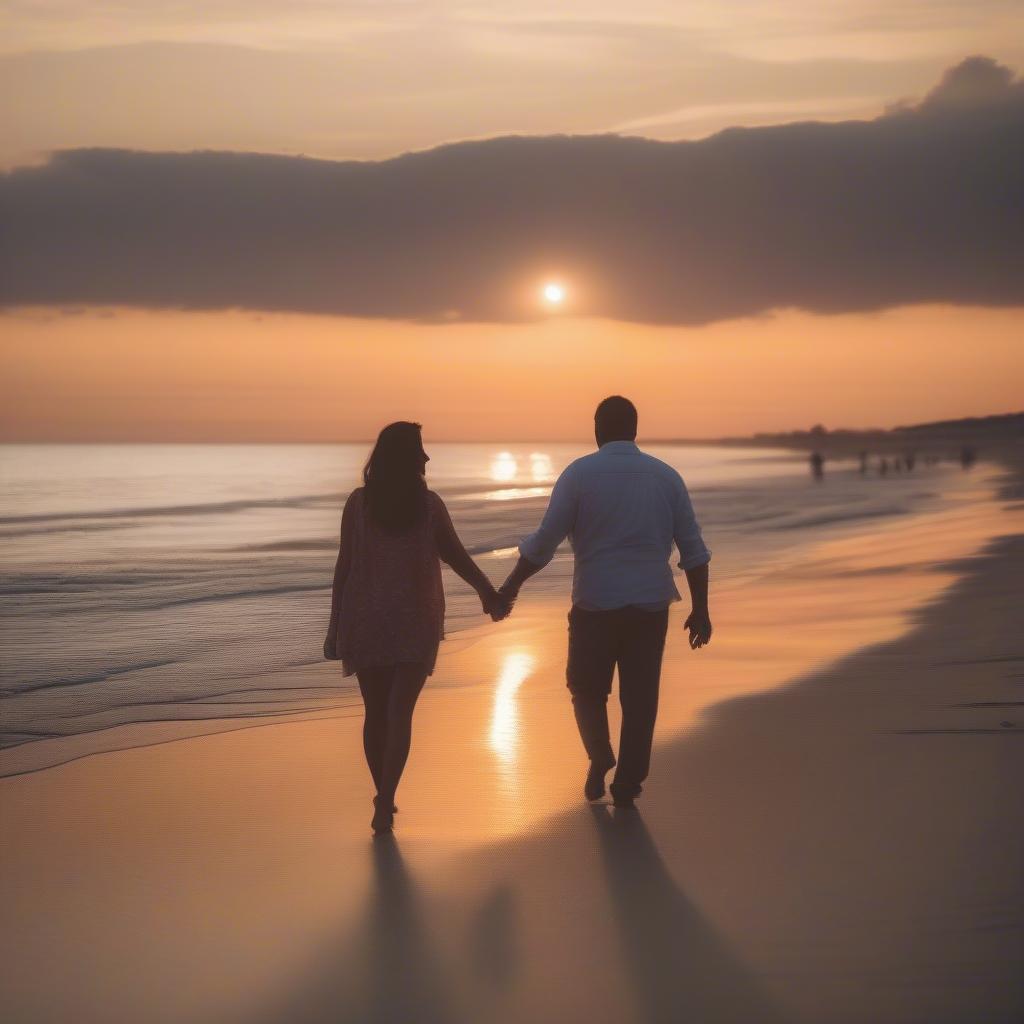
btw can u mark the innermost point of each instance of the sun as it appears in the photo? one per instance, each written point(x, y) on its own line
point(554, 293)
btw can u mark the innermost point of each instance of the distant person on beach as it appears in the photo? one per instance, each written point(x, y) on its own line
point(387, 602)
point(863, 463)
point(817, 465)
point(621, 509)
point(968, 456)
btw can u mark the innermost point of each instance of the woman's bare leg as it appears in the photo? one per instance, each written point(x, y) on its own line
point(406, 685)
point(375, 686)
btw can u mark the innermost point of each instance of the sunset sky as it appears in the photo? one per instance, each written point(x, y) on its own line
point(187, 251)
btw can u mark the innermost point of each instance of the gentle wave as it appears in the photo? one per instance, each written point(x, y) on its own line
point(146, 511)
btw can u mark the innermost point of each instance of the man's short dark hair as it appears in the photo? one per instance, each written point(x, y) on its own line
point(616, 419)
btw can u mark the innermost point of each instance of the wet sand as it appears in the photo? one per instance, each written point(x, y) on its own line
point(831, 831)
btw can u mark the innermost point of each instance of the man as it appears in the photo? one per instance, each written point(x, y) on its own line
point(621, 510)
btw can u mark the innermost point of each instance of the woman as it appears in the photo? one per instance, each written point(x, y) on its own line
point(387, 605)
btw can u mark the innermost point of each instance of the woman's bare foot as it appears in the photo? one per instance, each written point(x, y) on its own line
point(383, 816)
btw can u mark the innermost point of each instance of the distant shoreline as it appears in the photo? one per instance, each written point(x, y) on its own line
point(991, 436)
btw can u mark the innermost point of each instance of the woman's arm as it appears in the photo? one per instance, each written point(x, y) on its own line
point(341, 569)
point(453, 554)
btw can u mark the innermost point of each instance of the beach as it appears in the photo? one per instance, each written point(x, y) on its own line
point(735, 287)
point(830, 831)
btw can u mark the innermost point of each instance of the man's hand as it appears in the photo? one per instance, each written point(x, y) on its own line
point(699, 624)
point(522, 571)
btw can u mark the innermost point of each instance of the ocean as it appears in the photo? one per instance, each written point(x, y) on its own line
point(188, 585)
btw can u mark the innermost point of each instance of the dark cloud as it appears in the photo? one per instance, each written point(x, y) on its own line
point(974, 82)
point(924, 204)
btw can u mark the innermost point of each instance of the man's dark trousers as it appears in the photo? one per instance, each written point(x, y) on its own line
point(632, 639)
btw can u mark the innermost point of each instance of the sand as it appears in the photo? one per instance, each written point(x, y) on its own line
point(831, 831)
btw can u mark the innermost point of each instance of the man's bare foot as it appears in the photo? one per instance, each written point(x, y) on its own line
point(593, 788)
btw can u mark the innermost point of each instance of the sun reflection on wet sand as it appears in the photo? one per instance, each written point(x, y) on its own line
point(504, 734)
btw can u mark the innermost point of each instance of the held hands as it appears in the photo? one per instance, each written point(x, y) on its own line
point(699, 624)
point(496, 604)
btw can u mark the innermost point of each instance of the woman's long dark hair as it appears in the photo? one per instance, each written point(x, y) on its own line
point(393, 477)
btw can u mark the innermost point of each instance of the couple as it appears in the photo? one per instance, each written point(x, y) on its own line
point(620, 508)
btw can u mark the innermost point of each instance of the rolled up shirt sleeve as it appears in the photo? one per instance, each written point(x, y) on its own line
point(540, 546)
point(686, 533)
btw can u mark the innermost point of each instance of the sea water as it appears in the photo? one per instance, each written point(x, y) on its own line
point(190, 584)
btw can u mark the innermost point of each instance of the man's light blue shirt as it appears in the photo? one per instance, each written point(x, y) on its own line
point(621, 509)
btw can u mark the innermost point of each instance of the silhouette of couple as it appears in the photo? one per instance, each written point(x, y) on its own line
point(621, 510)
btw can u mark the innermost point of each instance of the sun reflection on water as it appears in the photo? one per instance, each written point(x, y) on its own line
point(540, 467)
point(504, 467)
point(511, 493)
point(504, 734)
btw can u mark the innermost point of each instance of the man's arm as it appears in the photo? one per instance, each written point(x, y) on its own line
point(694, 558)
point(539, 548)
point(517, 577)
point(698, 622)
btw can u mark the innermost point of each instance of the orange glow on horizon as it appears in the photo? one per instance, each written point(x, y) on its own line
point(235, 376)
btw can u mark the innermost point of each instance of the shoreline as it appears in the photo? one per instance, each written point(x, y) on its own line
point(805, 844)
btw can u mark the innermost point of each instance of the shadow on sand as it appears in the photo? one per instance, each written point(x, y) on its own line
point(679, 968)
point(384, 969)
point(391, 969)
point(404, 981)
